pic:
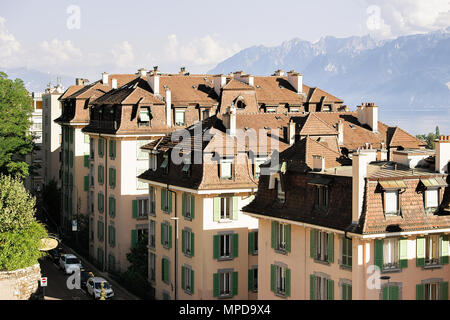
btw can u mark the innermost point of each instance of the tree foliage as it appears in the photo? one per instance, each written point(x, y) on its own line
point(20, 232)
point(138, 257)
point(15, 118)
point(430, 137)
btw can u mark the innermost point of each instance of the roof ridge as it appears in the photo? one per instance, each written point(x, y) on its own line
point(322, 145)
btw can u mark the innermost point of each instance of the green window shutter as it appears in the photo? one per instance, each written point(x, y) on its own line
point(312, 243)
point(273, 275)
point(112, 207)
point(86, 183)
point(162, 201)
point(134, 238)
point(235, 245)
point(235, 283)
point(169, 196)
point(100, 147)
point(112, 177)
point(135, 208)
point(420, 292)
point(114, 237)
point(403, 253)
point(288, 237)
point(183, 243)
point(251, 242)
point(250, 280)
point(216, 288)
point(394, 292)
point(86, 161)
point(182, 278)
point(331, 247)
point(385, 293)
point(98, 230)
point(170, 237)
point(216, 244)
point(162, 269)
point(100, 203)
point(444, 249)
point(216, 209)
point(166, 271)
point(444, 290)
point(192, 281)
point(183, 204)
point(288, 282)
point(192, 206)
point(273, 235)
point(330, 291)
point(162, 233)
point(235, 208)
point(378, 257)
point(420, 252)
point(192, 244)
point(312, 287)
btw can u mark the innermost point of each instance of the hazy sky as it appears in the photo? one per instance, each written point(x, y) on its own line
point(86, 37)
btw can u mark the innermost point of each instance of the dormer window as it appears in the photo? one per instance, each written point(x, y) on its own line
point(144, 117)
point(431, 192)
point(180, 117)
point(240, 104)
point(391, 197)
point(226, 171)
point(280, 192)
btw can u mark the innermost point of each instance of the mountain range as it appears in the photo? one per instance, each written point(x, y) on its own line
point(407, 76)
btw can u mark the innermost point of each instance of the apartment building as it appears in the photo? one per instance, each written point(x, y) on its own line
point(51, 135)
point(349, 223)
point(75, 145)
point(34, 182)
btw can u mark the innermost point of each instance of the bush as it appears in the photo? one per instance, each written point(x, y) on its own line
point(137, 284)
point(20, 232)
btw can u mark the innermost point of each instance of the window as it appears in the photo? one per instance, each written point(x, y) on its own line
point(390, 292)
point(112, 177)
point(271, 110)
point(257, 165)
point(187, 242)
point(281, 236)
point(280, 193)
point(346, 252)
point(166, 235)
point(165, 163)
point(153, 161)
point(144, 117)
point(253, 242)
point(432, 252)
point(152, 199)
point(152, 266)
point(166, 200)
point(205, 114)
point(92, 148)
point(101, 146)
point(225, 283)
point(431, 199)
point(225, 246)
point(281, 280)
point(187, 279)
point(165, 273)
point(188, 205)
point(152, 234)
point(321, 288)
point(346, 291)
point(321, 200)
point(180, 117)
point(101, 201)
point(391, 202)
point(432, 291)
point(92, 174)
point(142, 208)
point(390, 253)
point(112, 149)
point(253, 279)
point(226, 166)
point(322, 246)
point(225, 208)
point(101, 174)
point(111, 236)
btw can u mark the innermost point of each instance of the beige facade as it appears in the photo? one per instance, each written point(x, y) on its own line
point(203, 263)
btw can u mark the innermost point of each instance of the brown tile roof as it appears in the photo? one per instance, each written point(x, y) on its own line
point(314, 125)
point(276, 90)
point(234, 84)
point(71, 90)
point(399, 137)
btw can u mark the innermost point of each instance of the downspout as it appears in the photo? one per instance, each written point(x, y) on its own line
point(105, 203)
point(176, 242)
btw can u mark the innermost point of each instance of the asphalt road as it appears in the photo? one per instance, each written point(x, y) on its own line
point(56, 283)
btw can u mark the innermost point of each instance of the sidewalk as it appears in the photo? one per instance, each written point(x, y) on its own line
point(120, 292)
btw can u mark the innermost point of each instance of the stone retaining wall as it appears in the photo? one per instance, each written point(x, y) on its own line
point(19, 284)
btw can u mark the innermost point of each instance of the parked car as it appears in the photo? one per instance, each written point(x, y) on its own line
point(55, 254)
point(85, 275)
point(94, 288)
point(69, 263)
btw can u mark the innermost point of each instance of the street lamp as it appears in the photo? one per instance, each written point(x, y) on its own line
point(385, 278)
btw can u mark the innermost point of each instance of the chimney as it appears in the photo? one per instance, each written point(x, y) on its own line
point(182, 71)
point(368, 114)
point(383, 152)
point(248, 79)
point(105, 78)
point(220, 81)
point(296, 80)
point(230, 120)
point(79, 81)
point(340, 129)
point(279, 73)
point(359, 173)
point(442, 147)
point(113, 83)
point(291, 133)
point(153, 81)
point(141, 72)
point(318, 163)
point(168, 107)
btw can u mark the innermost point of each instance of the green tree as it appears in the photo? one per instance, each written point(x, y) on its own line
point(51, 200)
point(437, 132)
point(15, 118)
point(138, 257)
point(20, 232)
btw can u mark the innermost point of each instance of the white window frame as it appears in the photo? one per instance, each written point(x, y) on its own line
point(152, 234)
point(430, 287)
point(188, 242)
point(281, 280)
point(226, 209)
point(152, 267)
point(226, 242)
point(178, 112)
point(226, 163)
point(391, 253)
point(225, 283)
point(321, 245)
point(432, 249)
point(152, 201)
point(143, 207)
point(391, 201)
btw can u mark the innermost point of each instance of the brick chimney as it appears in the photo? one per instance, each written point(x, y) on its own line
point(153, 80)
point(248, 79)
point(340, 129)
point(359, 173)
point(368, 114)
point(279, 73)
point(113, 83)
point(219, 81)
point(296, 80)
point(105, 78)
point(141, 72)
point(442, 146)
point(229, 120)
point(291, 133)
